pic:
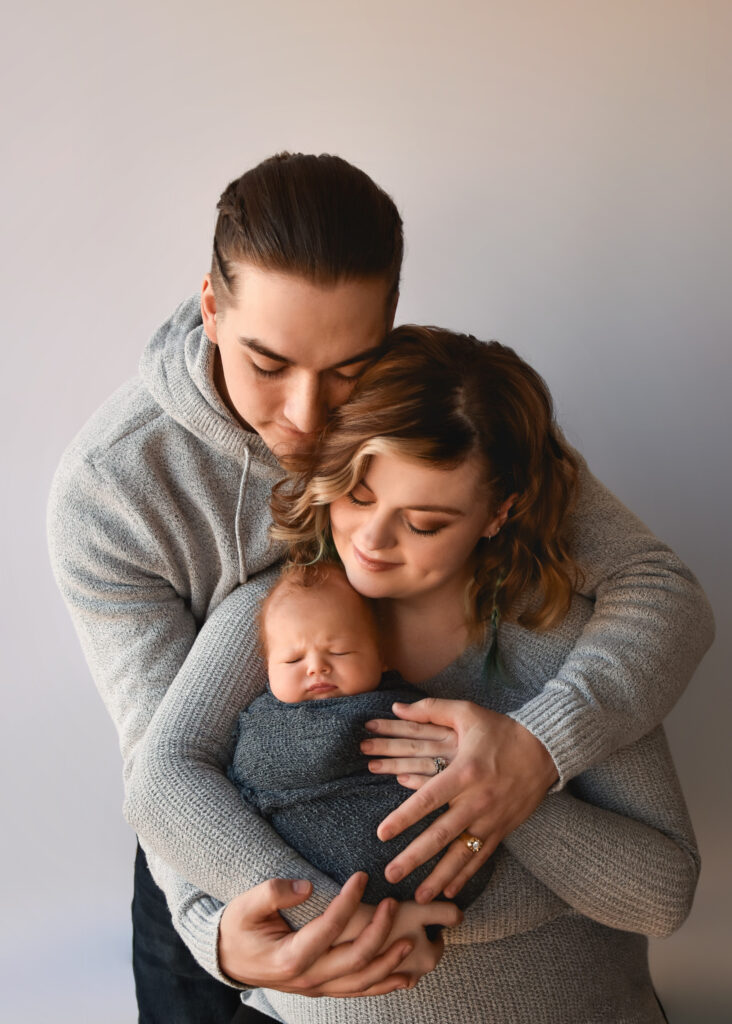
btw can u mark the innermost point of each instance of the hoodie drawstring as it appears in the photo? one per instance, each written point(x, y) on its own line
point(238, 519)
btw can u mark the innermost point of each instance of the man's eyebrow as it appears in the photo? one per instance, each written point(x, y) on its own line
point(256, 346)
point(368, 353)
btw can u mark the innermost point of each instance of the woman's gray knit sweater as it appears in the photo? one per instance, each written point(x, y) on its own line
point(603, 863)
point(160, 509)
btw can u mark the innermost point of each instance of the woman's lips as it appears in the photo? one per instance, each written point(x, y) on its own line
point(372, 564)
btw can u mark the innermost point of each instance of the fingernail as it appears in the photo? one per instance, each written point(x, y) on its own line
point(423, 895)
point(371, 726)
point(449, 891)
point(384, 834)
point(300, 885)
point(393, 874)
point(405, 950)
point(374, 766)
point(366, 745)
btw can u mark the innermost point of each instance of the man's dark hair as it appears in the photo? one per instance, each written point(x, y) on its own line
point(316, 216)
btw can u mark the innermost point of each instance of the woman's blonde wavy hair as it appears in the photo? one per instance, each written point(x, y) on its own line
point(442, 398)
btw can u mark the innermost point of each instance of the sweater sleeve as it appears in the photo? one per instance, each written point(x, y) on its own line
point(138, 635)
point(179, 799)
point(651, 626)
point(134, 626)
point(619, 847)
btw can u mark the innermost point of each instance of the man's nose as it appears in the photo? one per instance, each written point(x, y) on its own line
point(306, 408)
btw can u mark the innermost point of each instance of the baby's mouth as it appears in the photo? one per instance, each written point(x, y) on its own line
point(321, 686)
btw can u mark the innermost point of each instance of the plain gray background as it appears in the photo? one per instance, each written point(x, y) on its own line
point(563, 170)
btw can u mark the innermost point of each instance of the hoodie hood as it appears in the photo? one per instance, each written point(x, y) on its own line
point(177, 368)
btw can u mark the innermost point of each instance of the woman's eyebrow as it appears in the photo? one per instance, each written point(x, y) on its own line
point(436, 508)
point(422, 508)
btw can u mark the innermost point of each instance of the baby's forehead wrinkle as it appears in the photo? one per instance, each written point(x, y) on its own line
point(301, 637)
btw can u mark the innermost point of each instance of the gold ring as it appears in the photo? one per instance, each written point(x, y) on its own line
point(440, 764)
point(474, 844)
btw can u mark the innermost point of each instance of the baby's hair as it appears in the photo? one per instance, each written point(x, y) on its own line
point(296, 577)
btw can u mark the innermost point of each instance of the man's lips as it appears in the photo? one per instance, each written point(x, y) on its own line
point(296, 435)
point(373, 564)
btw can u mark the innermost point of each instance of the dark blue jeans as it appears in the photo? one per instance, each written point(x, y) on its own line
point(171, 987)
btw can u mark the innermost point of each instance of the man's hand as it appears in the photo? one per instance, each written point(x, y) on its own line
point(498, 774)
point(257, 946)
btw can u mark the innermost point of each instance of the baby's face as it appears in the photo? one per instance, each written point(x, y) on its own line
point(320, 643)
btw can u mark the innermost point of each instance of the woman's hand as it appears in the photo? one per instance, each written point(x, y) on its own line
point(410, 922)
point(497, 775)
point(351, 949)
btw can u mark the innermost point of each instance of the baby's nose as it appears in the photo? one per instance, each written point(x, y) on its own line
point(318, 665)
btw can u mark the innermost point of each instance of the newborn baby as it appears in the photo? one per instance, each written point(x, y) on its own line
point(297, 757)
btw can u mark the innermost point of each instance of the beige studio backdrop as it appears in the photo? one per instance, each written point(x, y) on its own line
point(563, 169)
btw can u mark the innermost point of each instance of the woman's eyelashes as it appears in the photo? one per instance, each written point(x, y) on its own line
point(424, 533)
point(420, 532)
point(357, 501)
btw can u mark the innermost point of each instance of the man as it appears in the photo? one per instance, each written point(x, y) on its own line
point(160, 509)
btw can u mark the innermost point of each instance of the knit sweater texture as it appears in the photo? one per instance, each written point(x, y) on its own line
point(159, 510)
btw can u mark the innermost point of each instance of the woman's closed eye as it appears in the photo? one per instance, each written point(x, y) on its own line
point(424, 533)
point(358, 501)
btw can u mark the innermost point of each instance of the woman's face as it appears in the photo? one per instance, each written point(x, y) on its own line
point(409, 529)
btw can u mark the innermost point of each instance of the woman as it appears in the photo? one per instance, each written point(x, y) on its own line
point(446, 490)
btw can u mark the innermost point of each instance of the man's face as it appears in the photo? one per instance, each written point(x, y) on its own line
point(289, 350)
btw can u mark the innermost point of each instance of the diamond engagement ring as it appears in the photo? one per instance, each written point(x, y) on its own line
point(440, 764)
point(474, 844)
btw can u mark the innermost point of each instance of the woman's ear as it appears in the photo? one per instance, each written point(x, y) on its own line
point(500, 517)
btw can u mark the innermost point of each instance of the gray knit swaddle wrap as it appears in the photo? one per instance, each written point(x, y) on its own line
point(301, 767)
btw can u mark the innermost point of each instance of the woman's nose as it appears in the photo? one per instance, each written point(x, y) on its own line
point(376, 534)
